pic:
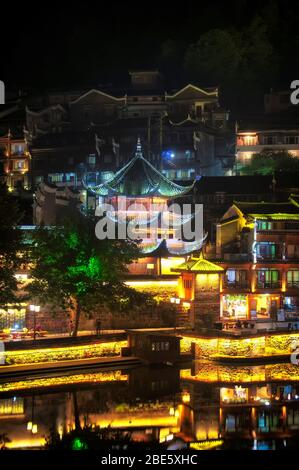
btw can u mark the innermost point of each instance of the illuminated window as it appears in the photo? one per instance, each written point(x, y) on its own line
point(267, 250)
point(270, 140)
point(56, 177)
point(69, 177)
point(236, 278)
point(187, 283)
point(161, 346)
point(268, 278)
point(11, 406)
point(264, 225)
point(293, 278)
point(12, 318)
point(17, 148)
point(235, 306)
point(237, 394)
point(250, 140)
point(91, 159)
point(106, 175)
point(21, 277)
point(19, 164)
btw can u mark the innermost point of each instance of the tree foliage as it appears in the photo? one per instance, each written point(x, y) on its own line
point(242, 62)
point(215, 56)
point(10, 244)
point(74, 270)
point(95, 438)
point(268, 163)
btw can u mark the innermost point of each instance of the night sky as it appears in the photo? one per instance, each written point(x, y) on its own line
point(78, 45)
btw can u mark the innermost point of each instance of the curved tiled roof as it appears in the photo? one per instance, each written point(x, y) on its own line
point(199, 265)
point(269, 210)
point(139, 178)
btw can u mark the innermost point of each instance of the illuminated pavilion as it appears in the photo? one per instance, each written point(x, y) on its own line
point(140, 192)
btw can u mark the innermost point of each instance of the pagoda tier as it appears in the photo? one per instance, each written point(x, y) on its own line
point(139, 178)
point(170, 247)
point(139, 198)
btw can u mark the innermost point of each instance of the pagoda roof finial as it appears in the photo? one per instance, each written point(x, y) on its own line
point(138, 152)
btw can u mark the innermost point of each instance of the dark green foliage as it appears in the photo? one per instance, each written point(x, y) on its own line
point(268, 163)
point(10, 244)
point(96, 438)
point(75, 270)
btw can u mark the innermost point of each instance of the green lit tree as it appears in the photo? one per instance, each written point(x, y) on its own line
point(76, 271)
point(269, 162)
point(93, 438)
point(10, 244)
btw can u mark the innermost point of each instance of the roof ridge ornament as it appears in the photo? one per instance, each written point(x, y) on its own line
point(138, 151)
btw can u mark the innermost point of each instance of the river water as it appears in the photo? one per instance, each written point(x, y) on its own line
point(216, 407)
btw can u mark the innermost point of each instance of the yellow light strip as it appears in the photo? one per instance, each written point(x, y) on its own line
point(206, 445)
point(151, 283)
point(215, 373)
point(111, 376)
point(30, 356)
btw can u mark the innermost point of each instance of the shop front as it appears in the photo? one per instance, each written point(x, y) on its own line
point(291, 307)
point(263, 306)
point(234, 306)
point(250, 306)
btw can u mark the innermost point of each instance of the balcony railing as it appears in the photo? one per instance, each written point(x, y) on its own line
point(269, 257)
point(277, 230)
point(268, 284)
point(293, 285)
point(277, 257)
point(237, 257)
point(236, 285)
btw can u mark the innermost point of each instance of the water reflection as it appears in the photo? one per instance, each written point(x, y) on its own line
point(212, 406)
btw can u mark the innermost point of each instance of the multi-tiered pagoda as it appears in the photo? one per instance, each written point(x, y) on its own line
point(143, 193)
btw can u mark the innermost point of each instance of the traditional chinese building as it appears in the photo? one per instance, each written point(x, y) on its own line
point(277, 130)
point(200, 286)
point(185, 132)
point(263, 137)
point(16, 160)
point(139, 192)
point(255, 271)
point(258, 244)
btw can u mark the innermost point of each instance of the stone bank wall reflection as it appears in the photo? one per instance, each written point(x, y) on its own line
point(157, 403)
point(255, 413)
point(146, 404)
